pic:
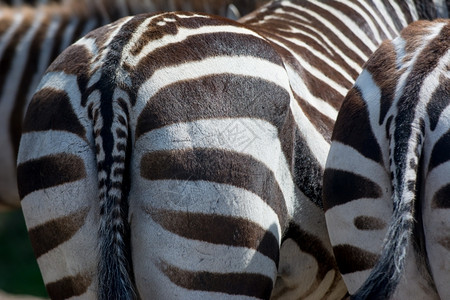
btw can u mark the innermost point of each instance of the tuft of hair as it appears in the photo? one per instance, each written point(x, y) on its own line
point(112, 141)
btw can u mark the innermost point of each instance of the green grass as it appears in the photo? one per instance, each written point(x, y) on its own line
point(19, 272)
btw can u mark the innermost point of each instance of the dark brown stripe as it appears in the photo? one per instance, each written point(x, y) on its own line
point(75, 60)
point(445, 242)
point(369, 223)
point(68, 287)
point(310, 244)
point(353, 127)
point(49, 171)
point(218, 96)
point(439, 101)
point(441, 198)
point(51, 110)
point(351, 259)
point(341, 187)
point(244, 284)
point(217, 229)
point(219, 166)
point(51, 234)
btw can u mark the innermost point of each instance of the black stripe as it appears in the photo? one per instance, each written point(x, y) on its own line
point(245, 284)
point(51, 234)
point(51, 110)
point(219, 166)
point(69, 286)
point(49, 171)
point(217, 229)
point(341, 187)
point(351, 259)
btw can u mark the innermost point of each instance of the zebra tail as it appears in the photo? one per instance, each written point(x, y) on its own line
point(115, 279)
point(404, 155)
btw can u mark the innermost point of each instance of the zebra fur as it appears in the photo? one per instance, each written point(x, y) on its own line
point(419, 56)
point(32, 37)
point(183, 142)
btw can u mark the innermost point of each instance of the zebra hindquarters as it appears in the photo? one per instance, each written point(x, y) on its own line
point(385, 176)
point(357, 193)
point(206, 210)
point(57, 180)
point(207, 201)
point(205, 206)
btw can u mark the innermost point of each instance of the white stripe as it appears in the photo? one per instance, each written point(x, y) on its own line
point(265, 147)
point(340, 220)
point(48, 143)
point(343, 157)
point(209, 257)
point(349, 23)
point(335, 30)
point(182, 34)
point(209, 198)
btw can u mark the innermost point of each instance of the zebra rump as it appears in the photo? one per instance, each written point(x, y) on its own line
point(396, 108)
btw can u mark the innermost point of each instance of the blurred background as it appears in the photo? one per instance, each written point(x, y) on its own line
point(19, 272)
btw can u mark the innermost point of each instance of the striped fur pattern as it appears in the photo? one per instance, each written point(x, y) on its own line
point(30, 38)
point(386, 187)
point(205, 142)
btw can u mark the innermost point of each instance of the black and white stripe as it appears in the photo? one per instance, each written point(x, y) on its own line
point(205, 140)
point(385, 186)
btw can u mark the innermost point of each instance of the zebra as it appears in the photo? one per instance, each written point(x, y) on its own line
point(386, 182)
point(205, 141)
point(32, 37)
